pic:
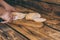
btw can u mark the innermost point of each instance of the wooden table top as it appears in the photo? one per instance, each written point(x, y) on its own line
point(29, 30)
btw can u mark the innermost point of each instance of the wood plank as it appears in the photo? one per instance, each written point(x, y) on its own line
point(27, 23)
point(50, 32)
point(31, 37)
point(6, 33)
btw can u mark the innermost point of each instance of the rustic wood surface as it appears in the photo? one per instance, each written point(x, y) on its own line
point(29, 30)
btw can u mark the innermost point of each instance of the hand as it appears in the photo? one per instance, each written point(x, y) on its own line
point(5, 15)
point(8, 17)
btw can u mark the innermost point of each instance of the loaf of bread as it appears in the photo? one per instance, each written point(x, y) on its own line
point(31, 16)
point(39, 19)
point(35, 17)
point(18, 15)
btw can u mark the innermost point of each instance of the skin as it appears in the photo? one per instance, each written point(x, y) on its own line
point(7, 16)
point(5, 11)
point(7, 6)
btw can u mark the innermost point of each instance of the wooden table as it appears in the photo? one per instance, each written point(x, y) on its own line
point(29, 30)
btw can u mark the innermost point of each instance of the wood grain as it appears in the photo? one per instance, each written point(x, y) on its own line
point(30, 30)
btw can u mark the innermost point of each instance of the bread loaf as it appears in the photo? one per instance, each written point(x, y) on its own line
point(32, 16)
point(18, 15)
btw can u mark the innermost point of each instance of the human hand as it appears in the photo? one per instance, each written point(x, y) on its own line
point(8, 17)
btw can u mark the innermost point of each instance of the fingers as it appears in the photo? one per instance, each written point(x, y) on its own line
point(11, 18)
point(8, 17)
point(4, 22)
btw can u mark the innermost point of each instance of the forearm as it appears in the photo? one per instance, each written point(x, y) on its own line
point(3, 3)
point(1, 0)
